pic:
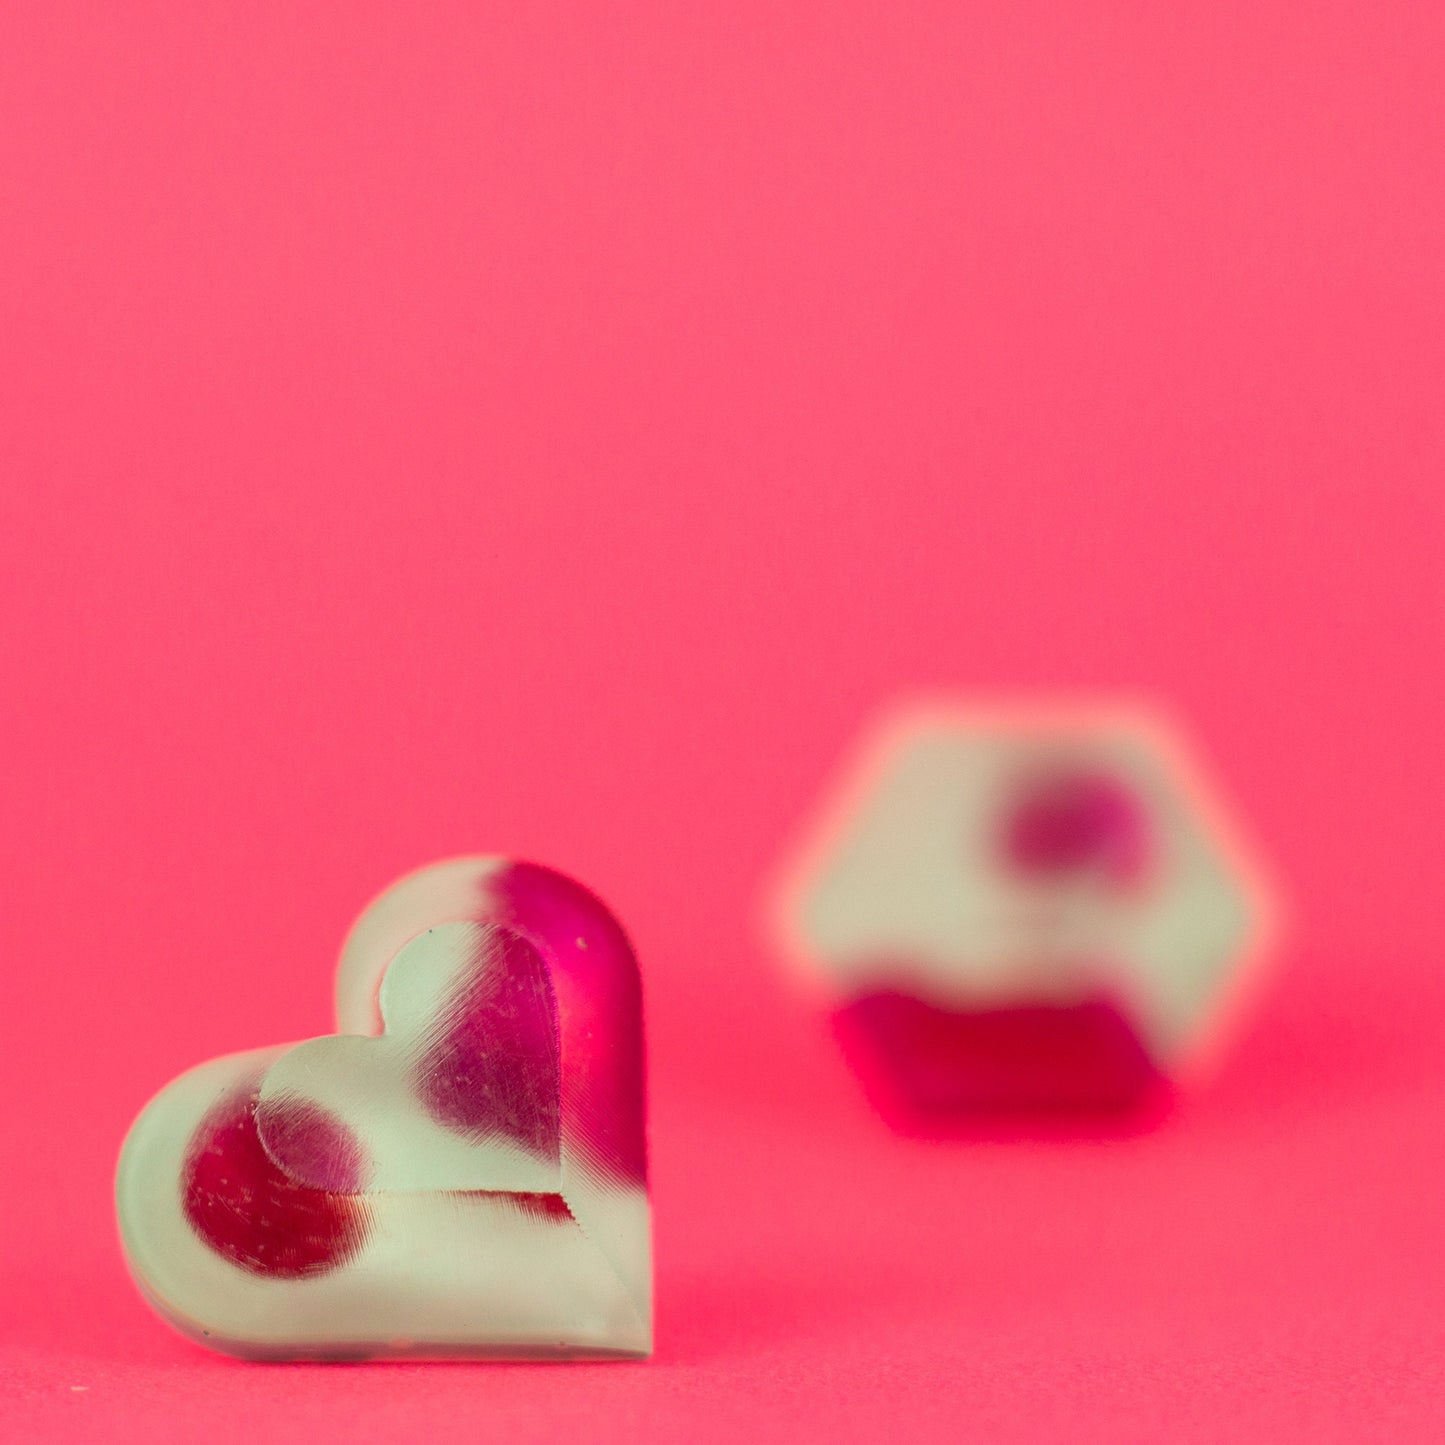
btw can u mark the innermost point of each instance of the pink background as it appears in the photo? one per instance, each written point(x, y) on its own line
point(555, 429)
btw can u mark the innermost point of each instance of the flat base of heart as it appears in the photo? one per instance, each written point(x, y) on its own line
point(426, 1275)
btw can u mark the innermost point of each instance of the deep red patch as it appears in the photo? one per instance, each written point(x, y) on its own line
point(933, 1064)
point(241, 1204)
point(541, 1206)
point(546, 1206)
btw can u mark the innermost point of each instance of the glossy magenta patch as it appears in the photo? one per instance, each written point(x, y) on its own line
point(599, 997)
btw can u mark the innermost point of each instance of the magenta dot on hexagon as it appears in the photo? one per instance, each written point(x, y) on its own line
point(1076, 820)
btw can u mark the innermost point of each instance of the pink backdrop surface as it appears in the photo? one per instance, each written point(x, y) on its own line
point(555, 429)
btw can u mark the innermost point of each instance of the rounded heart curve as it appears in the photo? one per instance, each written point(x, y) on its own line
point(266, 1211)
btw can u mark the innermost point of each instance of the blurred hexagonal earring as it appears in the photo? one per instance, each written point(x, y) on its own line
point(1036, 908)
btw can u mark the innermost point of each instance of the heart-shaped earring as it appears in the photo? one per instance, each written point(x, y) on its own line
point(461, 1170)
